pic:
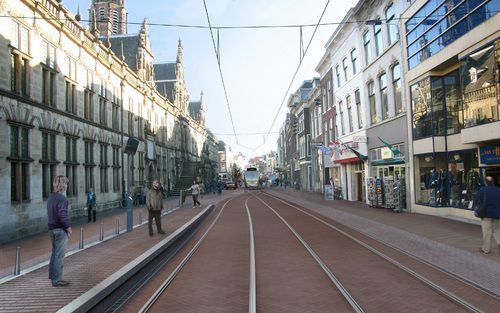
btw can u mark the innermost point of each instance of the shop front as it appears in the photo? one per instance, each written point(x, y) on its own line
point(349, 169)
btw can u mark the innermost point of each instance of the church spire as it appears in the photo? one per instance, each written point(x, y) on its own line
point(179, 52)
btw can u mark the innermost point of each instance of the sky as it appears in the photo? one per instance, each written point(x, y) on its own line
point(257, 64)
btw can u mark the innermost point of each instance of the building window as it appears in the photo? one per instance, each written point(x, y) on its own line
point(70, 97)
point(344, 66)
point(372, 102)
point(421, 109)
point(49, 74)
point(434, 27)
point(71, 166)
point(102, 111)
point(367, 47)
point(141, 168)
point(20, 65)
point(354, 60)
point(19, 163)
point(103, 167)
point(72, 69)
point(479, 84)
point(396, 86)
point(164, 168)
point(337, 73)
point(330, 94)
point(89, 164)
point(325, 100)
point(342, 128)
point(116, 168)
point(382, 79)
point(357, 99)
point(115, 114)
point(392, 24)
point(331, 132)
point(349, 112)
point(379, 44)
point(336, 126)
point(49, 162)
point(88, 104)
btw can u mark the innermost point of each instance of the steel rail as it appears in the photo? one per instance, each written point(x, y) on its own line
point(347, 295)
point(252, 293)
point(448, 294)
point(154, 298)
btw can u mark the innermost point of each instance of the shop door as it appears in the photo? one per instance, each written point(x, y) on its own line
point(359, 180)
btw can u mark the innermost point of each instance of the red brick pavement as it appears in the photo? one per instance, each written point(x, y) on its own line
point(35, 250)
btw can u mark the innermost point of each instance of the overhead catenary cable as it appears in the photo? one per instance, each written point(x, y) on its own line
point(217, 55)
point(297, 70)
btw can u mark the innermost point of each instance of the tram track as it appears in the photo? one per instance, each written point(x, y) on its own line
point(259, 253)
point(483, 304)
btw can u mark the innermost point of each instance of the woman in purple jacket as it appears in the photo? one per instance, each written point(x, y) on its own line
point(59, 229)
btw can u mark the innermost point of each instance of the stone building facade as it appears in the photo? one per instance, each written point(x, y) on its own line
point(69, 102)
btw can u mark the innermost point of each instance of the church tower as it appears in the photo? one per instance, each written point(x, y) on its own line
point(109, 16)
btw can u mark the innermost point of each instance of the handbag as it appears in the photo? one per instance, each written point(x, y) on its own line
point(480, 208)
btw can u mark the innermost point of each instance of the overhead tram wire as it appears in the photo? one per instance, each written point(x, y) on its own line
point(297, 70)
point(383, 21)
point(220, 70)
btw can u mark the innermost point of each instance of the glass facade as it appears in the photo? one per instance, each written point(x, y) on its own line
point(479, 86)
point(447, 179)
point(443, 105)
point(436, 106)
point(440, 22)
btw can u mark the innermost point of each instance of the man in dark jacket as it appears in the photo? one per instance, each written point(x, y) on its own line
point(491, 222)
point(59, 229)
point(154, 203)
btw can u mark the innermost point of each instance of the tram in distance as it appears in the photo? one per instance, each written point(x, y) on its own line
point(252, 176)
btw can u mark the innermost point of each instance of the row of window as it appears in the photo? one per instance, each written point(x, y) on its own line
point(20, 159)
point(439, 23)
point(21, 77)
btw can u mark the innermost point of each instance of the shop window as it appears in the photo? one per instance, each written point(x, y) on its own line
point(447, 179)
point(430, 179)
point(479, 85)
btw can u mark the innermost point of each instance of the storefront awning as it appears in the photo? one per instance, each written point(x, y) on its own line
point(388, 162)
point(349, 160)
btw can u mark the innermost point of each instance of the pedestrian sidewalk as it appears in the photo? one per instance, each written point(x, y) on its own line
point(449, 244)
point(35, 250)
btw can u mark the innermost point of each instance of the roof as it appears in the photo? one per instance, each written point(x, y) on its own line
point(166, 89)
point(194, 109)
point(130, 48)
point(165, 71)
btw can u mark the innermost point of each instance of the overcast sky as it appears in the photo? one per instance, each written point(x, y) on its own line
point(257, 64)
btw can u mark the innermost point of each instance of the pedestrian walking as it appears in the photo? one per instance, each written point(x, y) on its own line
point(489, 197)
point(91, 205)
point(154, 203)
point(219, 186)
point(195, 192)
point(59, 229)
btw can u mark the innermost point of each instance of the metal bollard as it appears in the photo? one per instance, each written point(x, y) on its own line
point(101, 232)
point(17, 266)
point(80, 246)
point(117, 228)
point(140, 218)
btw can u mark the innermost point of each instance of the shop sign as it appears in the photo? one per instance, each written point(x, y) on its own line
point(386, 153)
point(360, 139)
point(489, 154)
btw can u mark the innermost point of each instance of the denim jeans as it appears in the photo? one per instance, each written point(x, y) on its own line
point(59, 239)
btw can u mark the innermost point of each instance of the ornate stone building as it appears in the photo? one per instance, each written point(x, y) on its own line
point(70, 98)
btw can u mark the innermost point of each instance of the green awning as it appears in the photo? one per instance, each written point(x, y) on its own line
point(388, 162)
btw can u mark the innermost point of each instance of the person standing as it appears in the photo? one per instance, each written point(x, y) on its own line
point(154, 203)
point(59, 229)
point(491, 222)
point(91, 205)
point(195, 192)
